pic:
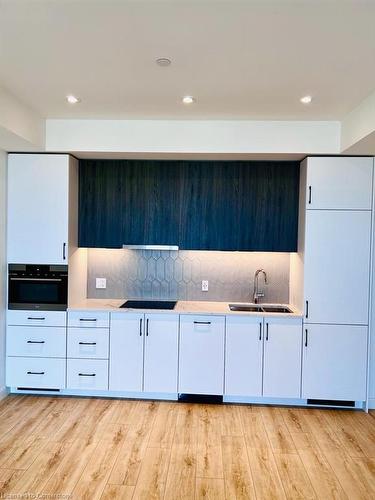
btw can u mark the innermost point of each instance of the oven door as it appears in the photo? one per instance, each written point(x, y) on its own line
point(45, 294)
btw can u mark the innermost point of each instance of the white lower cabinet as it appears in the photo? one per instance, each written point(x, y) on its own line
point(263, 356)
point(282, 357)
point(38, 341)
point(161, 353)
point(88, 343)
point(334, 362)
point(201, 360)
point(144, 352)
point(243, 356)
point(126, 352)
point(35, 373)
point(87, 374)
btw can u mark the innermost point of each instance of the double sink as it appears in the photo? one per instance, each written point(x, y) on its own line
point(260, 308)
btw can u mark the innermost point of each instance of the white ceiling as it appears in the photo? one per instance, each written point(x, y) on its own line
point(240, 59)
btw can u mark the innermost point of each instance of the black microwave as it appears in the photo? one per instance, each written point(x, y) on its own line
point(40, 287)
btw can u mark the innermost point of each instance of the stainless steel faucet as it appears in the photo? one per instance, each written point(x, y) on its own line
point(257, 294)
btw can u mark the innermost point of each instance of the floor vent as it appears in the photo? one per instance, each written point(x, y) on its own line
point(331, 402)
point(200, 398)
point(37, 389)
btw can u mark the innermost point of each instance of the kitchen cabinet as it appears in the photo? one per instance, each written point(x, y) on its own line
point(201, 366)
point(126, 352)
point(143, 352)
point(341, 183)
point(38, 208)
point(244, 355)
point(36, 349)
point(87, 350)
point(334, 362)
point(161, 353)
point(282, 357)
point(337, 266)
point(198, 205)
point(263, 356)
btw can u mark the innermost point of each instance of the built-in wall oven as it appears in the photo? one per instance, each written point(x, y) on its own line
point(40, 287)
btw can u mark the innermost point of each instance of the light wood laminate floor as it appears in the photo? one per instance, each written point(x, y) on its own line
point(120, 449)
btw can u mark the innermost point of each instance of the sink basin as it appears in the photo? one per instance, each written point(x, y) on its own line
point(276, 309)
point(246, 308)
point(260, 308)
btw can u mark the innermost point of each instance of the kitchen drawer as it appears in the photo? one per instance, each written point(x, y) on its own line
point(36, 341)
point(37, 373)
point(88, 319)
point(36, 318)
point(88, 343)
point(87, 374)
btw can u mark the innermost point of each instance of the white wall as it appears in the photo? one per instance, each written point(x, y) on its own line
point(193, 136)
point(3, 169)
point(358, 127)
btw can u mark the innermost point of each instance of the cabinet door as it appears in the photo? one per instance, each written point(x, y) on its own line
point(38, 209)
point(334, 362)
point(282, 357)
point(126, 352)
point(161, 353)
point(243, 356)
point(201, 369)
point(339, 183)
point(337, 260)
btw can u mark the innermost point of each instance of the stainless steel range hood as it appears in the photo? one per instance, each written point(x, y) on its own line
point(150, 247)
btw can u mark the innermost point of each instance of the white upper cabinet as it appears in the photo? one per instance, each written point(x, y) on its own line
point(243, 356)
point(161, 353)
point(282, 357)
point(342, 183)
point(201, 368)
point(126, 352)
point(38, 191)
point(334, 362)
point(337, 266)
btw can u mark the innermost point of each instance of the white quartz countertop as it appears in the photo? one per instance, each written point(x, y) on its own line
point(182, 307)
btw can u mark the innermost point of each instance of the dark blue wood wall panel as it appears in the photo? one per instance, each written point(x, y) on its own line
point(198, 205)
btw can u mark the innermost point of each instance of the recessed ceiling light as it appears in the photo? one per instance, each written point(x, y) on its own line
point(306, 99)
point(188, 99)
point(163, 61)
point(72, 99)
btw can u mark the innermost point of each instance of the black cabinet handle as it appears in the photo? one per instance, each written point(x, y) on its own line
point(64, 251)
point(39, 319)
point(87, 319)
point(147, 327)
point(202, 322)
point(309, 195)
point(35, 342)
point(266, 331)
point(307, 309)
point(140, 327)
point(87, 343)
point(260, 331)
point(35, 373)
point(87, 374)
point(306, 337)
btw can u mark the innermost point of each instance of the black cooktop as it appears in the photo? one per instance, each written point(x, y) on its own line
point(149, 304)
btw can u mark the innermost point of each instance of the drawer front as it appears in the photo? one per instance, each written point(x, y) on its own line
point(88, 319)
point(38, 373)
point(88, 343)
point(36, 318)
point(36, 341)
point(87, 374)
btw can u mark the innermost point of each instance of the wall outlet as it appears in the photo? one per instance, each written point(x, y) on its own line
point(204, 285)
point(101, 282)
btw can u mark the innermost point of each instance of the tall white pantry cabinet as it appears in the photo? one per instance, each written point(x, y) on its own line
point(331, 275)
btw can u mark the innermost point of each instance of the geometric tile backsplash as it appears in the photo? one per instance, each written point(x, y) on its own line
point(151, 274)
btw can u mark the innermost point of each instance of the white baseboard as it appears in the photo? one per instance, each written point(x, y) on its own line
point(371, 404)
point(3, 392)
